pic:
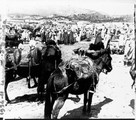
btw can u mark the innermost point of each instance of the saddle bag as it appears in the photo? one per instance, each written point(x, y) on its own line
point(27, 58)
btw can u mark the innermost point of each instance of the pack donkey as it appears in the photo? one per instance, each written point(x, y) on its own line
point(76, 76)
point(29, 69)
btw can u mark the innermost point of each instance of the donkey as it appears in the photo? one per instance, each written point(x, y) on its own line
point(76, 76)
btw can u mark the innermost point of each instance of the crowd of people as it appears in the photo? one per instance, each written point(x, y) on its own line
point(69, 34)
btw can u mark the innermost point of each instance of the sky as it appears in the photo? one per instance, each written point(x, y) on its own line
point(111, 7)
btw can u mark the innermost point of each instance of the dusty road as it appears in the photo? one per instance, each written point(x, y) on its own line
point(114, 97)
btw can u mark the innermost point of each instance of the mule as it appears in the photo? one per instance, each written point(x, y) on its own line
point(27, 70)
point(76, 76)
point(51, 57)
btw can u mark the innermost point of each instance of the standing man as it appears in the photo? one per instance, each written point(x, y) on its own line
point(98, 37)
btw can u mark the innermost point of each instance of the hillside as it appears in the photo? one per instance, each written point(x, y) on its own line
point(73, 14)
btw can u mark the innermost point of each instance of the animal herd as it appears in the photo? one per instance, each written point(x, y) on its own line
point(76, 76)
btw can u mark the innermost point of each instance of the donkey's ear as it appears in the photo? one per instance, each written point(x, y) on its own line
point(108, 49)
point(108, 44)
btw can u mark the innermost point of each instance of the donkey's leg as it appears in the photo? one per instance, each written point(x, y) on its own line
point(40, 89)
point(57, 106)
point(48, 106)
point(85, 102)
point(6, 94)
point(28, 80)
point(90, 95)
point(49, 102)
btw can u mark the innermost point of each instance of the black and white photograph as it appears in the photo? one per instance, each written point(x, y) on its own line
point(2, 58)
point(68, 59)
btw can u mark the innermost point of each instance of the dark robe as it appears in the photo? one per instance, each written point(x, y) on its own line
point(65, 38)
point(43, 37)
point(71, 38)
point(98, 38)
point(61, 38)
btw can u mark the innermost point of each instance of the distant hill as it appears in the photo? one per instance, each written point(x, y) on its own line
point(95, 17)
point(75, 14)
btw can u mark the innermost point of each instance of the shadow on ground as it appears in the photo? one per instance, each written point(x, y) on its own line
point(26, 98)
point(132, 102)
point(34, 98)
point(77, 113)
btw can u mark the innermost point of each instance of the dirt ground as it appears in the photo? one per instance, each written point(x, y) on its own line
point(114, 97)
